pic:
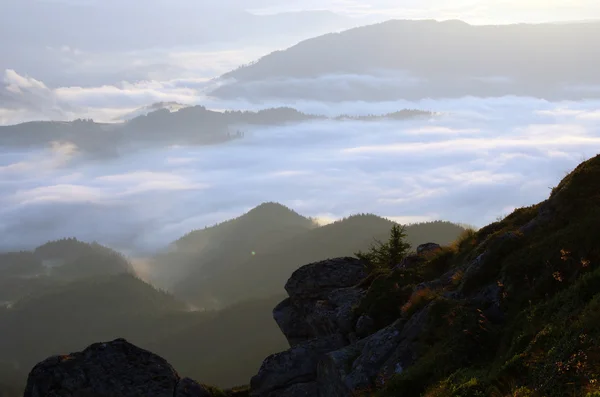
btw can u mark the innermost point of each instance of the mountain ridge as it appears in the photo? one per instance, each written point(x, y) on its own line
point(427, 58)
point(510, 309)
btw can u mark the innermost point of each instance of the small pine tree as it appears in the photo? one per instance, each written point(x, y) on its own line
point(388, 254)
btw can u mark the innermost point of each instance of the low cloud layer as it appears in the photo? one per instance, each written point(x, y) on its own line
point(480, 159)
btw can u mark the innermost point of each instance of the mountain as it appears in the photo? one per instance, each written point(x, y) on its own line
point(55, 263)
point(510, 309)
point(227, 349)
point(193, 125)
point(160, 125)
point(144, 110)
point(257, 252)
point(406, 59)
point(220, 248)
point(70, 316)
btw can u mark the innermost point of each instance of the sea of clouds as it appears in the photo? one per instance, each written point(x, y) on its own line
point(479, 159)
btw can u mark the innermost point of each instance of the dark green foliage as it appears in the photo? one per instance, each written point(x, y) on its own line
point(388, 254)
point(390, 291)
point(73, 259)
point(282, 242)
point(549, 279)
point(55, 263)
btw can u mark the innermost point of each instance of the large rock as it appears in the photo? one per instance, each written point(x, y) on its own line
point(344, 372)
point(303, 319)
point(428, 248)
point(318, 279)
point(309, 389)
point(298, 365)
point(116, 368)
point(292, 322)
point(322, 300)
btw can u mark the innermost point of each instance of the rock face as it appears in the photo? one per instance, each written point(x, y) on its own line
point(317, 318)
point(116, 368)
point(333, 353)
point(321, 299)
point(317, 279)
point(428, 248)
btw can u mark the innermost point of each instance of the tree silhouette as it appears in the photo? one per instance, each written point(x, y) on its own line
point(385, 255)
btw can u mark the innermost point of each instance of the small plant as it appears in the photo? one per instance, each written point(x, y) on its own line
point(418, 300)
point(466, 240)
point(388, 254)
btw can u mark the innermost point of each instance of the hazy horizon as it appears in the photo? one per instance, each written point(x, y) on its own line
point(479, 160)
point(494, 152)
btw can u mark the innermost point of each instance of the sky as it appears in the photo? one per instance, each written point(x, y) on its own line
point(481, 159)
point(472, 11)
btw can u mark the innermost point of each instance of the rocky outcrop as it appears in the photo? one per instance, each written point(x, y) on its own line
point(281, 373)
point(318, 279)
point(428, 248)
point(423, 252)
point(110, 369)
point(316, 319)
point(333, 351)
point(321, 300)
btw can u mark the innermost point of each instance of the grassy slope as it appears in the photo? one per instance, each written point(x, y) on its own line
point(546, 342)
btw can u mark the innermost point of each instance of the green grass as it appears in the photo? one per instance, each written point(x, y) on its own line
point(549, 342)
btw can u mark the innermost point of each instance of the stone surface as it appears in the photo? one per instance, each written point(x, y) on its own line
point(292, 322)
point(365, 326)
point(331, 315)
point(115, 368)
point(318, 279)
point(296, 365)
point(190, 388)
point(405, 354)
point(309, 389)
point(428, 248)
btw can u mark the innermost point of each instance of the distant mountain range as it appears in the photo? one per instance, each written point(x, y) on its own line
point(251, 256)
point(67, 293)
point(405, 59)
point(160, 125)
point(145, 110)
point(55, 263)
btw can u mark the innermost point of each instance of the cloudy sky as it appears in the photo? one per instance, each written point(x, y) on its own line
point(472, 11)
point(104, 59)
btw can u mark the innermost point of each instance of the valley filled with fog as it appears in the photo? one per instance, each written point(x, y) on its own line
point(165, 167)
point(475, 159)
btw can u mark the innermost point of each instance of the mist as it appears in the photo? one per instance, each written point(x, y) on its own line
point(477, 160)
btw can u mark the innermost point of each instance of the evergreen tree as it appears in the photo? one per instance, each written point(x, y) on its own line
point(388, 254)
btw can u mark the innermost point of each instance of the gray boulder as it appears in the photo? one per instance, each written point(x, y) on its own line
point(297, 365)
point(115, 368)
point(292, 322)
point(318, 279)
point(428, 248)
point(365, 326)
point(357, 367)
